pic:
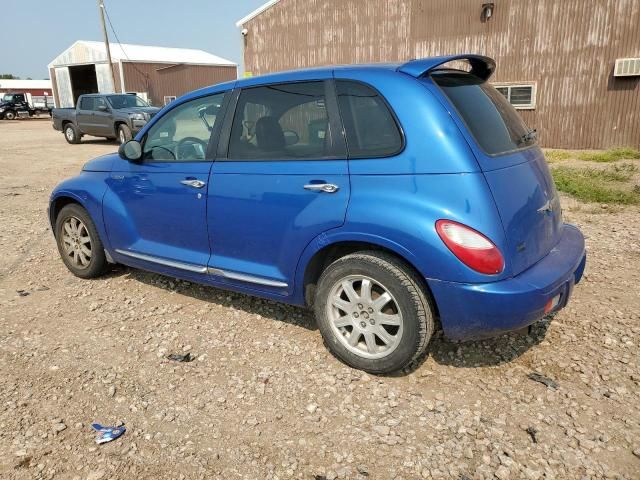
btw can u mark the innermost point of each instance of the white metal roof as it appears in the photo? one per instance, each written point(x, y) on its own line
point(85, 51)
point(256, 12)
point(26, 84)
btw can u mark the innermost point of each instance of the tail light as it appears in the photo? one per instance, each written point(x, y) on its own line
point(471, 247)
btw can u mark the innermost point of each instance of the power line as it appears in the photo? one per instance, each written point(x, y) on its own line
point(122, 47)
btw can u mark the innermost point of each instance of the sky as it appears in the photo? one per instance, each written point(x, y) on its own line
point(39, 30)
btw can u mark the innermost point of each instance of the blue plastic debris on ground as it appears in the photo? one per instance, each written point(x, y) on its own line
point(107, 434)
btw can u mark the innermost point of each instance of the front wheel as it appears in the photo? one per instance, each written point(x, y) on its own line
point(79, 244)
point(124, 133)
point(373, 312)
point(10, 115)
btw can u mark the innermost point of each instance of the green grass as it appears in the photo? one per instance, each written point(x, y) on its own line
point(555, 155)
point(615, 154)
point(599, 185)
point(624, 153)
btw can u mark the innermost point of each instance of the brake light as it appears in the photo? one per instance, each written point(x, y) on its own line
point(471, 247)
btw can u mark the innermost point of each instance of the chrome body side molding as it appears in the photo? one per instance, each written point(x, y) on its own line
point(246, 278)
point(202, 269)
point(161, 261)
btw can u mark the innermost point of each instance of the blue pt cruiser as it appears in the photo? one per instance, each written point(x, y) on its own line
point(385, 197)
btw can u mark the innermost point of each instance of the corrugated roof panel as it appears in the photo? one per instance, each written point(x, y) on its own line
point(85, 50)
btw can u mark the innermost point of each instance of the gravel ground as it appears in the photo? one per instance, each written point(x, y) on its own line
point(264, 399)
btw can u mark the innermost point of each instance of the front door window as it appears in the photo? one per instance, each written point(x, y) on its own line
point(182, 134)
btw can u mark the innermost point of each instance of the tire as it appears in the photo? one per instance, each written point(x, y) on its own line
point(405, 321)
point(124, 133)
point(71, 134)
point(72, 241)
point(10, 115)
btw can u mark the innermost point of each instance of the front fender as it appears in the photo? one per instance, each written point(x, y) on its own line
point(87, 189)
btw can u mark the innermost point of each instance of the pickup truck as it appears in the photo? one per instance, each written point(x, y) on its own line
point(14, 105)
point(113, 116)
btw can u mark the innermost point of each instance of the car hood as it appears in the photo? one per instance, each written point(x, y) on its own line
point(149, 110)
point(100, 164)
point(4, 104)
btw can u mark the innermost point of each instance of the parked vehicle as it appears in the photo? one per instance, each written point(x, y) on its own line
point(384, 197)
point(103, 115)
point(14, 105)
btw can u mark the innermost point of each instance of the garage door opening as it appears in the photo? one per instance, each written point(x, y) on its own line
point(83, 80)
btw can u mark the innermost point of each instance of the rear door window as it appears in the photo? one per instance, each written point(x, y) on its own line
point(87, 103)
point(370, 126)
point(281, 122)
point(490, 118)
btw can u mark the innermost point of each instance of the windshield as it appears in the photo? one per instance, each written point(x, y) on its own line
point(488, 115)
point(7, 98)
point(126, 101)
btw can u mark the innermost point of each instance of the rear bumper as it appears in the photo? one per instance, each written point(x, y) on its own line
point(472, 311)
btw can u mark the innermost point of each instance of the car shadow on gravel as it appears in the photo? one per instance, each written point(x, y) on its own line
point(248, 304)
point(473, 354)
point(488, 352)
point(99, 141)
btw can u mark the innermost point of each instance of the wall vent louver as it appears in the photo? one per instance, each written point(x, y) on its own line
point(627, 67)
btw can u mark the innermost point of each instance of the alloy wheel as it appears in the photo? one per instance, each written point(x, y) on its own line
point(69, 133)
point(365, 316)
point(76, 242)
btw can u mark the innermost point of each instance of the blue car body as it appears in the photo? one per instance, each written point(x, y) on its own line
point(255, 230)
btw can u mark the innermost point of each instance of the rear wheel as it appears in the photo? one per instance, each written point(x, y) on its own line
point(124, 133)
point(71, 134)
point(79, 244)
point(373, 313)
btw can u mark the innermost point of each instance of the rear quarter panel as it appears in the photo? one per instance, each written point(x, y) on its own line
point(59, 115)
point(398, 212)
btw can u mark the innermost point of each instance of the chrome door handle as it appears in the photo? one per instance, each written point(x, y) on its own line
point(193, 183)
point(322, 187)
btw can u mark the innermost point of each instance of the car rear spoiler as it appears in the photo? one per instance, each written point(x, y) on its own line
point(481, 66)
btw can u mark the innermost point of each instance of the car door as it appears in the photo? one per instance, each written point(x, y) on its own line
point(279, 181)
point(84, 115)
point(102, 118)
point(155, 209)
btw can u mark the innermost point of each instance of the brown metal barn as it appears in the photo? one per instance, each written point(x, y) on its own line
point(572, 67)
point(157, 74)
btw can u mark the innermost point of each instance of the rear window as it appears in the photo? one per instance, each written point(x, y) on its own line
point(369, 124)
point(492, 121)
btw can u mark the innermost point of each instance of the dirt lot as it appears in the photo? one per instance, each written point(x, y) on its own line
point(264, 399)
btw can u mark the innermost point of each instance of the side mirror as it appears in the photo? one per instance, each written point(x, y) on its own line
point(103, 108)
point(131, 151)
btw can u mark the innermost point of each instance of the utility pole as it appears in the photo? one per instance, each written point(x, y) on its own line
point(106, 42)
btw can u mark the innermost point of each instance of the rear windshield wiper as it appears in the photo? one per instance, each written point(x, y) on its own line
point(529, 137)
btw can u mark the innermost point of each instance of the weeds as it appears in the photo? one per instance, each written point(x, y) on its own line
point(597, 185)
point(615, 154)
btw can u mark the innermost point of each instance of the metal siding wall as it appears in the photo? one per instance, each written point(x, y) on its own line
point(302, 33)
point(159, 80)
point(105, 81)
point(567, 47)
point(54, 87)
point(65, 93)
